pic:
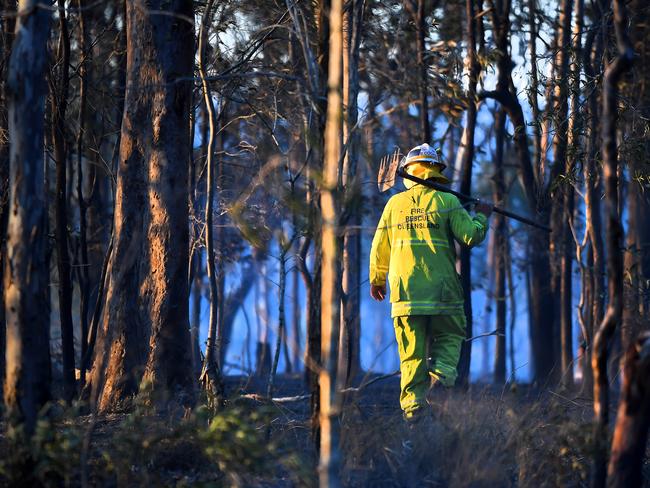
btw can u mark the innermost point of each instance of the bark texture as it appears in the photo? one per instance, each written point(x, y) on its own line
point(633, 418)
point(144, 334)
point(330, 458)
point(27, 385)
point(612, 318)
point(467, 151)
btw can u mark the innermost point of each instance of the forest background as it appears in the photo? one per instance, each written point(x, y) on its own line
point(189, 191)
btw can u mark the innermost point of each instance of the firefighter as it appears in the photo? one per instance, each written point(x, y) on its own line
point(414, 247)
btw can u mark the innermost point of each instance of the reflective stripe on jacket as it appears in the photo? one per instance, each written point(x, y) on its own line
point(414, 247)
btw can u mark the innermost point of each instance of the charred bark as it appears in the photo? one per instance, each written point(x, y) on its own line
point(27, 385)
point(349, 361)
point(59, 96)
point(467, 148)
point(500, 243)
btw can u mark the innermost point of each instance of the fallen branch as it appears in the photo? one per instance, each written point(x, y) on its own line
point(298, 398)
point(495, 332)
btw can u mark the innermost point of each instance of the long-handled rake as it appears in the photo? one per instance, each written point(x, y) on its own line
point(389, 171)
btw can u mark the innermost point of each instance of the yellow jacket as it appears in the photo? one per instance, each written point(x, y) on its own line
point(414, 246)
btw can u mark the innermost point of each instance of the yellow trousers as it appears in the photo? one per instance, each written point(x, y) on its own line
point(429, 350)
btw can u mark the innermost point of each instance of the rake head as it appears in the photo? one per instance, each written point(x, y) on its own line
point(387, 175)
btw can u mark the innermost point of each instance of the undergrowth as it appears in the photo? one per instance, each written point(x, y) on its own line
point(487, 438)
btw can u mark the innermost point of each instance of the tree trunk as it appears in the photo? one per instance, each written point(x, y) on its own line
point(592, 59)
point(633, 420)
point(26, 273)
point(500, 243)
point(423, 80)
point(561, 245)
point(145, 320)
point(603, 338)
point(349, 363)
point(6, 35)
point(83, 263)
point(59, 98)
point(573, 144)
point(542, 303)
point(467, 151)
point(281, 319)
point(211, 373)
point(296, 317)
point(331, 275)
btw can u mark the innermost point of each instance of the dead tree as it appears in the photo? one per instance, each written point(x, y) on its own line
point(60, 81)
point(330, 297)
point(500, 245)
point(542, 301)
point(144, 334)
point(349, 351)
point(612, 318)
point(467, 152)
point(27, 386)
point(316, 69)
point(83, 275)
point(211, 374)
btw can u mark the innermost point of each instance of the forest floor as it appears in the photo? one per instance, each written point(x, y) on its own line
point(484, 436)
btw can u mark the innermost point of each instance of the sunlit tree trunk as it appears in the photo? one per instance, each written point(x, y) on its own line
point(26, 277)
point(330, 296)
point(633, 419)
point(6, 37)
point(144, 334)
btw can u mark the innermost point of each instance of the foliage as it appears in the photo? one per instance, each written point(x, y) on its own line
point(145, 448)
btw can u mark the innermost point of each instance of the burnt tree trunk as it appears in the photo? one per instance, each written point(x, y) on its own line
point(423, 80)
point(542, 301)
point(83, 275)
point(500, 243)
point(144, 336)
point(612, 318)
point(60, 82)
point(26, 277)
point(467, 148)
point(349, 363)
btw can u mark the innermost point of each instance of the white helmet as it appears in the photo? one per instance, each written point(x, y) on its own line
point(423, 161)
